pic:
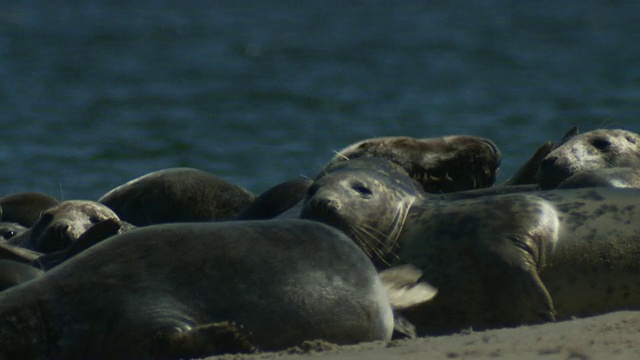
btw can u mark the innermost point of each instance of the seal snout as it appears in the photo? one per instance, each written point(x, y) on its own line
point(57, 237)
point(551, 173)
point(548, 163)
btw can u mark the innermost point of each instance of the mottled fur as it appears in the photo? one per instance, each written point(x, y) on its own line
point(441, 164)
point(499, 259)
point(598, 149)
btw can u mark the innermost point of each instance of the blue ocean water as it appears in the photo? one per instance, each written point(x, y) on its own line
point(95, 93)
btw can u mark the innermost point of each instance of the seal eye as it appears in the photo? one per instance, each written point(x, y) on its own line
point(364, 191)
point(94, 219)
point(601, 144)
point(8, 234)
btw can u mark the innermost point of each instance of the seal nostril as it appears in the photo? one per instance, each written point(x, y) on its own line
point(548, 162)
point(325, 205)
point(62, 230)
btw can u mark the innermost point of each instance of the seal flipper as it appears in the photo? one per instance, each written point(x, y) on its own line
point(404, 287)
point(526, 174)
point(405, 290)
point(511, 280)
point(510, 258)
point(92, 236)
point(10, 252)
point(203, 340)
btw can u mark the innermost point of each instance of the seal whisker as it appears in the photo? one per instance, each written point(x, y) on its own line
point(369, 244)
point(397, 229)
point(341, 154)
point(383, 249)
point(364, 237)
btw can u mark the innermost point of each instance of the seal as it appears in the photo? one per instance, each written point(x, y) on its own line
point(505, 259)
point(9, 230)
point(440, 164)
point(597, 149)
point(276, 200)
point(61, 225)
point(14, 273)
point(367, 198)
point(177, 195)
point(25, 208)
point(134, 295)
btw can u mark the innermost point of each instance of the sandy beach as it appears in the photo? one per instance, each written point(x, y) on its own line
point(610, 336)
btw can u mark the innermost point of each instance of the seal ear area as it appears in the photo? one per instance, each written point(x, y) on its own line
point(199, 341)
point(570, 134)
point(404, 288)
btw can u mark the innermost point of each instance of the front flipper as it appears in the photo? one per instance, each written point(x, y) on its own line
point(509, 258)
point(201, 341)
point(405, 290)
point(512, 282)
point(526, 174)
point(92, 236)
point(404, 287)
point(14, 253)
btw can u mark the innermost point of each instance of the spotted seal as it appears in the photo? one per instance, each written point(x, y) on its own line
point(135, 295)
point(62, 224)
point(597, 149)
point(177, 195)
point(440, 164)
point(502, 259)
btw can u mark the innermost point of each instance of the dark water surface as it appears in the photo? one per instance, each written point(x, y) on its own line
point(95, 93)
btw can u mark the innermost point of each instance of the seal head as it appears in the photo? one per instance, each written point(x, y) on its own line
point(367, 198)
point(441, 164)
point(598, 149)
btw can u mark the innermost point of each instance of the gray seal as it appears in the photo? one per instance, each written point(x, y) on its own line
point(503, 259)
point(187, 290)
point(440, 164)
point(61, 225)
point(367, 198)
point(597, 149)
point(276, 200)
point(9, 230)
point(177, 195)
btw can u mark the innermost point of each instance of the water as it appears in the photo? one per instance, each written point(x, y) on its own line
point(95, 94)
